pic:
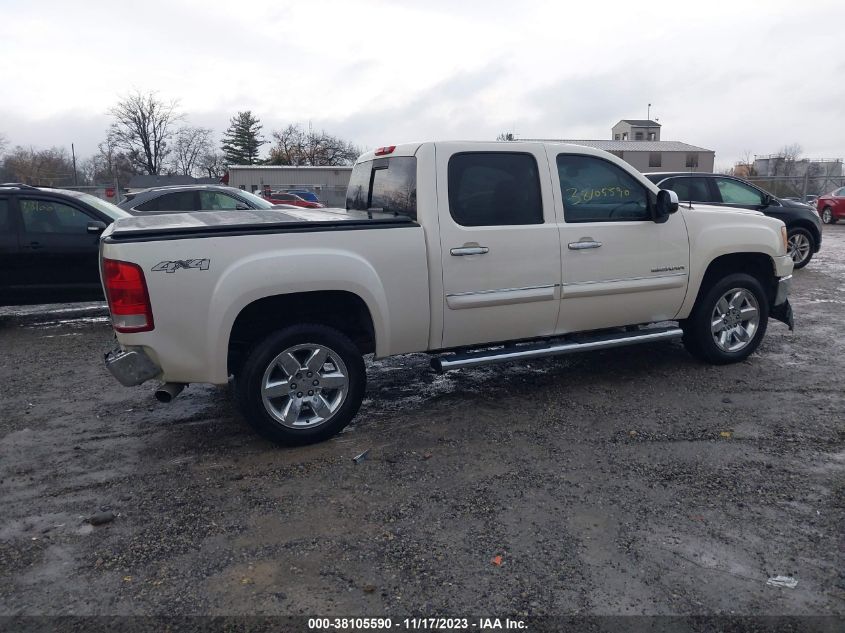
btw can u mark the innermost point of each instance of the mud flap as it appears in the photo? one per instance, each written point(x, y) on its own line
point(783, 313)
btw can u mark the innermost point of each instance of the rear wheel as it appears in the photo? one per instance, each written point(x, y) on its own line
point(302, 384)
point(800, 247)
point(827, 216)
point(729, 321)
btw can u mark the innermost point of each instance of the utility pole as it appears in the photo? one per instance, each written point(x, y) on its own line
point(73, 154)
point(648, 116)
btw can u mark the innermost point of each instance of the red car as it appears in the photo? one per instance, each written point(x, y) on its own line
point(280, 197)
point(831, 206)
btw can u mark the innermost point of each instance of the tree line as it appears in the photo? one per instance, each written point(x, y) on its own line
point(152, 136)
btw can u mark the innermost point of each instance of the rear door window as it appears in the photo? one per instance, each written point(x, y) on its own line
point(384, 184)
point(494, 189)
point(689, 189)
point(177, 201)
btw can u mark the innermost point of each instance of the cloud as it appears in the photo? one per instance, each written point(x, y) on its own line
point(730, 78)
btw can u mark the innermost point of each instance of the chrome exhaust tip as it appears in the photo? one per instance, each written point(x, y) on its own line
point(169, 390)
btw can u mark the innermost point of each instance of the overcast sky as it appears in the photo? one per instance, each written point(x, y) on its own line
point(729, 76)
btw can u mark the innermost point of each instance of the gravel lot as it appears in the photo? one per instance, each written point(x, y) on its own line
point(622, 482)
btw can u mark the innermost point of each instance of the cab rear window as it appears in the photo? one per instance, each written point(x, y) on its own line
point(384, 184)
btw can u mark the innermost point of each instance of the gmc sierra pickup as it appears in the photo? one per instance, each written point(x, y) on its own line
point(474, 252)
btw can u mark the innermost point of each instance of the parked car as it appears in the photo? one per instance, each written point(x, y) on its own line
point(477, 253)
point(803, 227)
point(49, 241)
point(185, 198)
point(831, 206)
point(310, 196)
point(283, 197)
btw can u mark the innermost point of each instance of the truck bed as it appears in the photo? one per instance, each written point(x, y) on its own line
point(223, 223)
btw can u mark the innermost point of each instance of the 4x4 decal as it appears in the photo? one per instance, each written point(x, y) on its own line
point(172, 267)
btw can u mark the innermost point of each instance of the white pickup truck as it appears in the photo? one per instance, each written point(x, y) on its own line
point(473, 252)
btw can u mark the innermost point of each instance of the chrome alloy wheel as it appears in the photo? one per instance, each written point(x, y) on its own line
point(799, 247)
point(827, 215)
point(304, 386)
point(735, 319)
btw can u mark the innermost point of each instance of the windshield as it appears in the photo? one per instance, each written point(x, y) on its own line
point(255, 201)
point(115, 213)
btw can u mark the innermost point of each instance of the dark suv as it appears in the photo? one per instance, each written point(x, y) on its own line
point(189, 198)
point(49, 244)
point(804, 229)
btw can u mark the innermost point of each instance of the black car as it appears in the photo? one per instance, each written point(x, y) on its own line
point(49, 244)
point(804, 229)
point(189, 198)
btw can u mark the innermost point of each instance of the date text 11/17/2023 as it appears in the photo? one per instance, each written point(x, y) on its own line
point(416, 624)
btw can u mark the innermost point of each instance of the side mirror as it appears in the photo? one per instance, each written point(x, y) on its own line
point(96, 227)
point(667, 204)
point(241, 207)
point(766, 200)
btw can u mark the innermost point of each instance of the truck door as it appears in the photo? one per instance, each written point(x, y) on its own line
point(499, 241)
point(619, 266)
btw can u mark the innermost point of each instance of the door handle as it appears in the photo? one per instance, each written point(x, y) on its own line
point(469, 250)
point(585, 243)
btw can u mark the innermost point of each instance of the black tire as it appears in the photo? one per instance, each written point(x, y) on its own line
point(799, 233)
point(259, 367)
point(698, 337)
point(827, 216)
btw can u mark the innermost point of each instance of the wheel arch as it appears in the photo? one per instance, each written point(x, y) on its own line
point(807, 225)
point(342, 310)
point(759, 265)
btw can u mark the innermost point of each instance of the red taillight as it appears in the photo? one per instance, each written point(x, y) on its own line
point(129, 301)
point(381, 151)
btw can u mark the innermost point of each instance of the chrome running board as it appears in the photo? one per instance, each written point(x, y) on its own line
point(540, 350)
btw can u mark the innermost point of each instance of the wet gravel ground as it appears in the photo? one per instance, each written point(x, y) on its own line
point(623, 482)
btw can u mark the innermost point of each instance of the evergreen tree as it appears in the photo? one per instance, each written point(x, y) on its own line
point(242, 140)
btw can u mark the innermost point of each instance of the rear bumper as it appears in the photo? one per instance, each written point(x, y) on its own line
point(131, 366)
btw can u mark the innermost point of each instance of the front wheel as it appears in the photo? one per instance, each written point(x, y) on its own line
point(800, 247)
point(827, 216)
point(301, 385)
point(729, 322)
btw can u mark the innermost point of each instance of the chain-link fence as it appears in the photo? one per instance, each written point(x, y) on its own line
point(797, 186)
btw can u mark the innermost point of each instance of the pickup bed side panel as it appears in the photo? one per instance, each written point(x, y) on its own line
point(194, 309)
point(731, 232)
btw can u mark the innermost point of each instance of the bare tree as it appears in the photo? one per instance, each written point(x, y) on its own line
point(295, 146)
point(143, 128)
point(190, 145)
point(3, 143)
point(505, 136)
point(47, 167)
point(109, 166)
point(212, 164)
point(745, 167)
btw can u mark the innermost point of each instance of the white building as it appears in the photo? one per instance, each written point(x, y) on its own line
point(637, 142)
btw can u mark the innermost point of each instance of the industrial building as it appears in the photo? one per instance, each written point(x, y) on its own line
point(638, 143)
